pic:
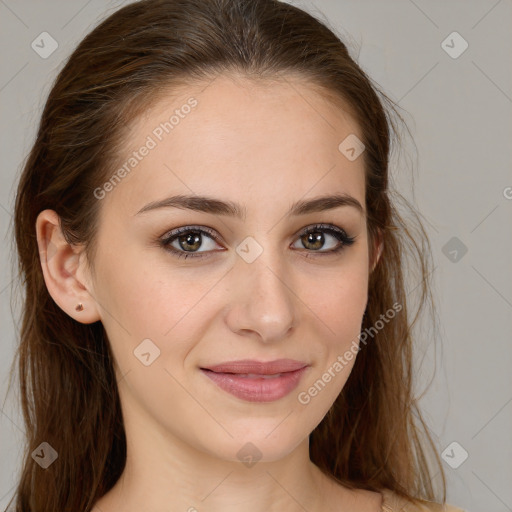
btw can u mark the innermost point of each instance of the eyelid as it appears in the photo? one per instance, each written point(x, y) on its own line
point(191, 227)
point(322, 226)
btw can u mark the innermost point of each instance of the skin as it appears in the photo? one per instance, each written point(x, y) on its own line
point(263, 145)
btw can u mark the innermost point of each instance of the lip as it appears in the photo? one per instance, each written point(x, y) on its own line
point(262, 384)
point(257, 367)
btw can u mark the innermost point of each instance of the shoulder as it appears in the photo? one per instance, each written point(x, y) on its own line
point(392, 502)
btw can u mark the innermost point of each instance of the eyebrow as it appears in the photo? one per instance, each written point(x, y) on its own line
point(219, 207)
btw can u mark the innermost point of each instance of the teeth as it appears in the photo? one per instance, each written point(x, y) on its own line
point(254, 375)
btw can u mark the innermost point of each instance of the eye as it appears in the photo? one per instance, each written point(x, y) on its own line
point(187, 239)
point(184, 242)
point(314, 237)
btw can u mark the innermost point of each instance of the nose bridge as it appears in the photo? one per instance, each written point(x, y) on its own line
point(265, 301)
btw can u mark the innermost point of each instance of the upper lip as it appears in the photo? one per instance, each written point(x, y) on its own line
point(257, 367)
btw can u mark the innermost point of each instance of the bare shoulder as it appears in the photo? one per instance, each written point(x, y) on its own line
point(392, 502)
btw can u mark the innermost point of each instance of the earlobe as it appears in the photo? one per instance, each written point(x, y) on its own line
point(61, 264)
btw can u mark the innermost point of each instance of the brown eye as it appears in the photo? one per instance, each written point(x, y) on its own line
point(313, 241)
point(314, 238)
point(187, 241)
point(190, 242)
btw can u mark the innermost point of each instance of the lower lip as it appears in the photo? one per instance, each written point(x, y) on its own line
point(257, 389)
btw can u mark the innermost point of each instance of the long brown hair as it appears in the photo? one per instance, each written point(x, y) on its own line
point(374, 436)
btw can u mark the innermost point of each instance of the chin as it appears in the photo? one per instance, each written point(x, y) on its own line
point(254, 445)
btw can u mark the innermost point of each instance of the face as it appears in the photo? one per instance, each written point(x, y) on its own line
point(264, 280)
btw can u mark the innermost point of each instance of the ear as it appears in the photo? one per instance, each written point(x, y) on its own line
point(65, 270)
point(379, 246)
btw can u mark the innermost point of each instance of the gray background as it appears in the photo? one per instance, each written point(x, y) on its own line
point(459, 111)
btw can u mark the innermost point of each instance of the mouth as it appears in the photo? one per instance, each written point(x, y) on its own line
point(255, 381)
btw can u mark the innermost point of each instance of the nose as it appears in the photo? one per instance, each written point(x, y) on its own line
point(263, 303)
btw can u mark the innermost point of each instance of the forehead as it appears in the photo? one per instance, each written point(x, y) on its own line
point(241, 139)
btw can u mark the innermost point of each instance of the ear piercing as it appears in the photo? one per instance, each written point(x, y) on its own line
point(79, 307)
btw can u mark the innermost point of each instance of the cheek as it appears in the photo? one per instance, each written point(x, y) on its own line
point(148, 297)
point(153, 317)
point(171, 307)
point(340, 300)
point(339, 311)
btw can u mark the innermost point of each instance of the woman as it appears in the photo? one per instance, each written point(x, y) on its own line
point(215, 310)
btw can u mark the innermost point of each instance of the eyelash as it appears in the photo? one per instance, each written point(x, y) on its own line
point(336, 232)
